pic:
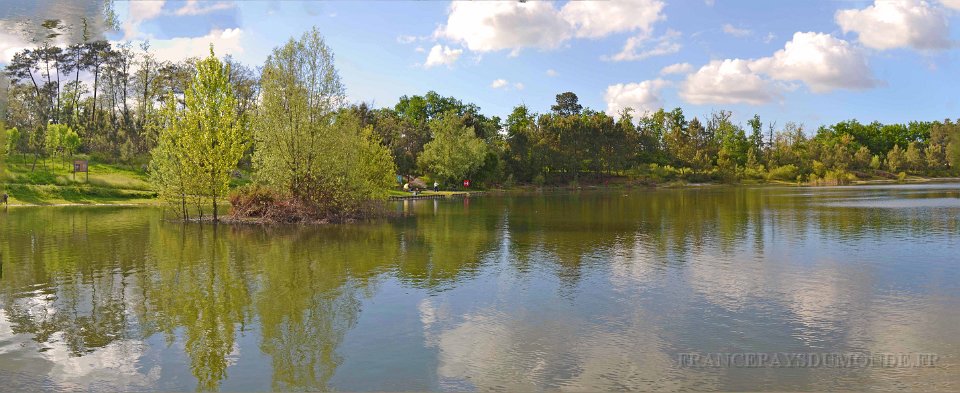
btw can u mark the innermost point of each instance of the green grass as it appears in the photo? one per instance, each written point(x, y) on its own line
point(406, 194)
point(53, 182)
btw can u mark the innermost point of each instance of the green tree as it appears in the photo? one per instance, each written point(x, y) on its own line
point(895, 159)
point(305, 145)
point(4, 152)
point(567, 104)
point(455, 151)
point(914, 157)
point(169, 173)
point(12, 143)
point(208, 137)
point(756, 136)
point(861, 159)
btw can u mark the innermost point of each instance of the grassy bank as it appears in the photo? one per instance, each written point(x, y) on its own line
point(53, 183)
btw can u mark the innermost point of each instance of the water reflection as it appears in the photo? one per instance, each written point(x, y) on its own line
point(584, 291)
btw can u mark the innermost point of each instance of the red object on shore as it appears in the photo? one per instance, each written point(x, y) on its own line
point(466, 183)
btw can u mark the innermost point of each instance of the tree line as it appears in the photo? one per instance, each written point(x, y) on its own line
point(203, 123)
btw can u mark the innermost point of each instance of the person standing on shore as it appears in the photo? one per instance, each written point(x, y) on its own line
point(436, 187)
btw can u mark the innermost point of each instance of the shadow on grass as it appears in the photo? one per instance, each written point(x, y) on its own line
point(48, 194)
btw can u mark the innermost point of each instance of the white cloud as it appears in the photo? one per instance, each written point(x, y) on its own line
point(193, 7)
point(730, 81)
point(709, 3)
point(769, 38)
point(10, 45)
point(406, 39)
point(229, 41)
point(505, 84)
point(635, 47)
point(642, 97)
point(552, 73)
point(735, 31)
point(420, 49)
point(484, 26)
point(594, 19)
point(495, 25)
point(442, 55)
point(819, 60)
point(897, 24)
point(138, 12)
point(679, 68)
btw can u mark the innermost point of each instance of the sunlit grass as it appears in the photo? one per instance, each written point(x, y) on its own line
point(52, 181)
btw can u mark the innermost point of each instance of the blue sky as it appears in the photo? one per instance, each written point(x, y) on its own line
point(804, 61)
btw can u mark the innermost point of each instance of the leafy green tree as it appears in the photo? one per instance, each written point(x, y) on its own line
point(169, 173)
point(953, 152)
point(293, 137)
point(13, 137)
point(914, 157)
point(455, 151)
point(567, 104)
point(875, 163)
point(4, 152)
point(521, 136)
point(305, 145)
point(861, 160)
point(756, 136)
point(204, 141)
point(895, 159)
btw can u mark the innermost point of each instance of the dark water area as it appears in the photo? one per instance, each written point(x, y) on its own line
point(642, 290)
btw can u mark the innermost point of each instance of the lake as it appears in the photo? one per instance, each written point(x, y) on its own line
point(711, 288)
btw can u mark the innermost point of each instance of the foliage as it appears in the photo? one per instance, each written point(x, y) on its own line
point(455, 151)
point(202, 142)
point(787, 172)
point(895, 159)
point(305, 144)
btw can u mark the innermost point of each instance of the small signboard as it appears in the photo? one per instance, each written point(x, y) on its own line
point(466, 183)
point(80, 166)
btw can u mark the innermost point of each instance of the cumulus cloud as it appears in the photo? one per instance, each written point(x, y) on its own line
point(10, 44)
point(735, 31)
point(225, 42)
point(495, 25)
point(730, 81)
point(442, 55)
point(643, 96)
point(484, 26)
point(139, 11)
point(679, 68)
point(897, 24)
point(505, 84)
point(821, 61)
point(636, 48)
point(594, 19)
point(194, 7)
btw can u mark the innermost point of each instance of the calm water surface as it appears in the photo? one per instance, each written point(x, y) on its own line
point(582, 291)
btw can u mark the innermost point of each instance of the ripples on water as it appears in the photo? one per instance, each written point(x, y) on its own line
point(584, 291)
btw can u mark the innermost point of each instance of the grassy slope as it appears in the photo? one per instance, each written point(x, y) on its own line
point(54, 183)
